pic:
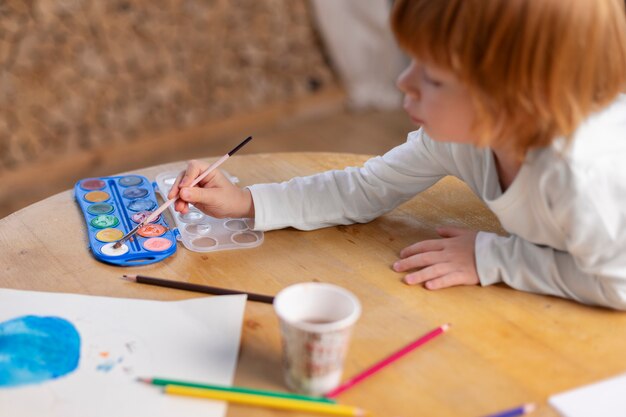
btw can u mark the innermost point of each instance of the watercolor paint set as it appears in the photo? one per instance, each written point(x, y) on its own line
point(201, 233)
point(112, 206)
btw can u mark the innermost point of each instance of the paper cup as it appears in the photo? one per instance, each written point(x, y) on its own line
point(316, 322)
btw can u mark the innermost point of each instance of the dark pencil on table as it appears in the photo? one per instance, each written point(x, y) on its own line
point(186, 286)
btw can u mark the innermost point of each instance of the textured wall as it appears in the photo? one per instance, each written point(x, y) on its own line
point(76, 74)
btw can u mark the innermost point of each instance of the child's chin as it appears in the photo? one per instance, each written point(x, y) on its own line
point(448, 139)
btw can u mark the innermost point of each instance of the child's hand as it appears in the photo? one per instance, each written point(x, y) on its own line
point(442, 262)
point(215, 195)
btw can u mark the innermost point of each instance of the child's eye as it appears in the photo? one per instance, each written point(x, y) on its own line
point(430, 80)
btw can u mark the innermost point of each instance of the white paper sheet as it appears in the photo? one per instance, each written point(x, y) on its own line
point(122, 339)
point(605, 398)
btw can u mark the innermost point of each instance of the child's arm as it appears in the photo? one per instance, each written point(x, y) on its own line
point(544, 270)
point(571, 200)
point(586, 204)
point(329, 198)
point(593, 272)
point(352, 195)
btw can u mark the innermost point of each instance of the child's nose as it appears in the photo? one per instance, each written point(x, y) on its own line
point(405, 85)
point(401, 82)
point(411, 92)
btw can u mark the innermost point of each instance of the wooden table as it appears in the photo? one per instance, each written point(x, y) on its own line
point(505, 347)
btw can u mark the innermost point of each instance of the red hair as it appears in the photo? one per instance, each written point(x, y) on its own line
point(536, 68)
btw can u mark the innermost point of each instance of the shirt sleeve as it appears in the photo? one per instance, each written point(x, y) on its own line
point(352, 195)
point(588, 206)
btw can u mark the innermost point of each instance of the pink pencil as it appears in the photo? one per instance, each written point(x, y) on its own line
point(380, 365)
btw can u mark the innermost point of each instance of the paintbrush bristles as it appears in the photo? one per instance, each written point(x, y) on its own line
point(128, 235)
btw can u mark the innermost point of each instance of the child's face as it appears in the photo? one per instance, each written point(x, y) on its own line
point(436, 100)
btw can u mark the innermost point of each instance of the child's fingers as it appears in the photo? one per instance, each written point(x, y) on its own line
point(198, 195)
point(449, 280)
point(423, 246)
point(214, 178)
point(420, 260)
point(175, 189)
point(428, 273)
point(194, 169)
point(181, 206)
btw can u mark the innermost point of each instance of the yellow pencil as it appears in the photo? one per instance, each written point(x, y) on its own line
point(263, 401)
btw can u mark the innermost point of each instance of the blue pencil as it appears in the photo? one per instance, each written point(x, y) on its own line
point(514, 412)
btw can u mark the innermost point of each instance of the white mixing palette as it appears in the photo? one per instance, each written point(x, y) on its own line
point(202, 233)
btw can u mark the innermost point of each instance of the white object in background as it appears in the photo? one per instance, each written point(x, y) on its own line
point(362, 48)
point(605, 398)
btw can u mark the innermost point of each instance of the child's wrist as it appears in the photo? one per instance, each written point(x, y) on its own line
point(248, 205)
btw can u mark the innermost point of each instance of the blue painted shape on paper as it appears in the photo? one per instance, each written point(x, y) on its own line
point(35, 349)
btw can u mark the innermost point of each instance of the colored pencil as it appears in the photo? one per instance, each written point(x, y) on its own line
point(265, 401)
point(514, 412)
point(187, 286)
point(392, 358)
point(242, 390)
point(155, 214)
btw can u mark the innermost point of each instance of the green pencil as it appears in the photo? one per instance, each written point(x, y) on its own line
point(164, 382)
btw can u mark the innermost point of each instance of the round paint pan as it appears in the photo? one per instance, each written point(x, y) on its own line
point(192, 216)
point(96, 196)
point(236, 225)
point(135, 192)
point(109, 235)
point(152, 230)
point(104, 221)
point(109, 250)
point(244, 238)
point(100, 208)
point(141, 205)
point(198, 229)
point(157, 244)
point(130, 181)
point(92, 184)
point(143, 215)
point(204, 242)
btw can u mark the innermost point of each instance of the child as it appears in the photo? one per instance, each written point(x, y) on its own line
point(519, 99)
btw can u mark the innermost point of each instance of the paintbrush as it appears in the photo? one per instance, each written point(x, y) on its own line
point(155, 214)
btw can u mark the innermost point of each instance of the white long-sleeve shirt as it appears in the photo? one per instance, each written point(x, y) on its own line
point(565, 211)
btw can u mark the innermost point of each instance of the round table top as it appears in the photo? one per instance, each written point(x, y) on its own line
point(504, 348)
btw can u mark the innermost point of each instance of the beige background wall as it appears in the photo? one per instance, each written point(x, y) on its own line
point(81, 74)
point(93, 87)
